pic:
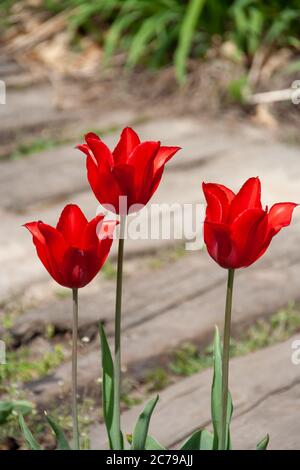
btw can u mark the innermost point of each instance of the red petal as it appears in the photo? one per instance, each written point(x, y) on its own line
point(248, 234)
point(72, 224)
point(39, 241)
point(142, 160)
point(84, 148)
point(163, 155)
point(104, 246)
point(34, 229)
point(280, 216)
point(91, 135)
point(218, 243)
point(154, 185)
point(100, 151)
point(217, 203)
point(75, 268)
point(103, 183)
point(248, 197)
point(50, 246)
point(125, 175)
point(127, 143)
point(90, 235)
point(54, 240)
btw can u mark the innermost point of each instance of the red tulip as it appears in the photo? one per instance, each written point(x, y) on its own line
point(133, 170)
point(237, 230)
point(73, 253)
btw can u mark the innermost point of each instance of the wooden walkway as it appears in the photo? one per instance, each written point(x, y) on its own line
point(265, 387)
point(169, 302)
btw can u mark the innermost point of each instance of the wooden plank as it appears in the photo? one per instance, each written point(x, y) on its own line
point(257, 389)
point(277, 415)
point(146, 294)
point(59, 172)
point(259, 291)
point(279, 167)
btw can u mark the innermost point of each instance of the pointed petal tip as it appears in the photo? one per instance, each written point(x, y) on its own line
point(91, 135)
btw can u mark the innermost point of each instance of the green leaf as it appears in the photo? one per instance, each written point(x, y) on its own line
point(32, 443)
point(62, 443)
point(22, 406)
point(141, 40)
point(186, 34)
point(140, 432)
point(5, 411)
point(113, 36)
point(216, 396)
point(200, 440)
point(263, 444)
point(108, 389)
point(152, 444)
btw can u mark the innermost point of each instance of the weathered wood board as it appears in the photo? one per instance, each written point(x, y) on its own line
point(265, 389)
point(278, 166)
point(152, 329)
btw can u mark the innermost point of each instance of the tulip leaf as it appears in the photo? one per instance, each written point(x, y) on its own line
point(200, 440)
point(216, 396)
point(22, 406)
point(263, 444)
point(108, 389)
point(152, 444)
point(62, 443)
point(140, 432)
point(30, 440)
point(6, 409)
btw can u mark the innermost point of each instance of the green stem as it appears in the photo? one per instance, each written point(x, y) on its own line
point(74, 370)
point(225, 357)
point(117, 361)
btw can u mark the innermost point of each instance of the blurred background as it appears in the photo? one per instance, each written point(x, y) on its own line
point(220, 80)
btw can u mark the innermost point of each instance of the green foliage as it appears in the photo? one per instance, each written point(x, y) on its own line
point(62, 443)
point(140, 433)
point(10, 407)
point(35, 146)
point(28, 436)
point(155, 32)
point(152, 444)
point(263, 444)
point(200, 440)
point(107, 388)
point(216, 397)
point(237, 90)
point(20, 367)
point(186, 35)
point(188, 361)
point(157, 379)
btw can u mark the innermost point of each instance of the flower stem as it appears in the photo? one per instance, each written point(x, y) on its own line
point(74, 370)
point(117, 362)
point(225, 357)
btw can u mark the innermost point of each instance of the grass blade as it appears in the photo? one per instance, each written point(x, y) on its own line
point(186, 35)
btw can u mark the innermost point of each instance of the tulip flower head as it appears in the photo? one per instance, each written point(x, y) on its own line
point(131, 172)
point(237, 230)
point(74, 251)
